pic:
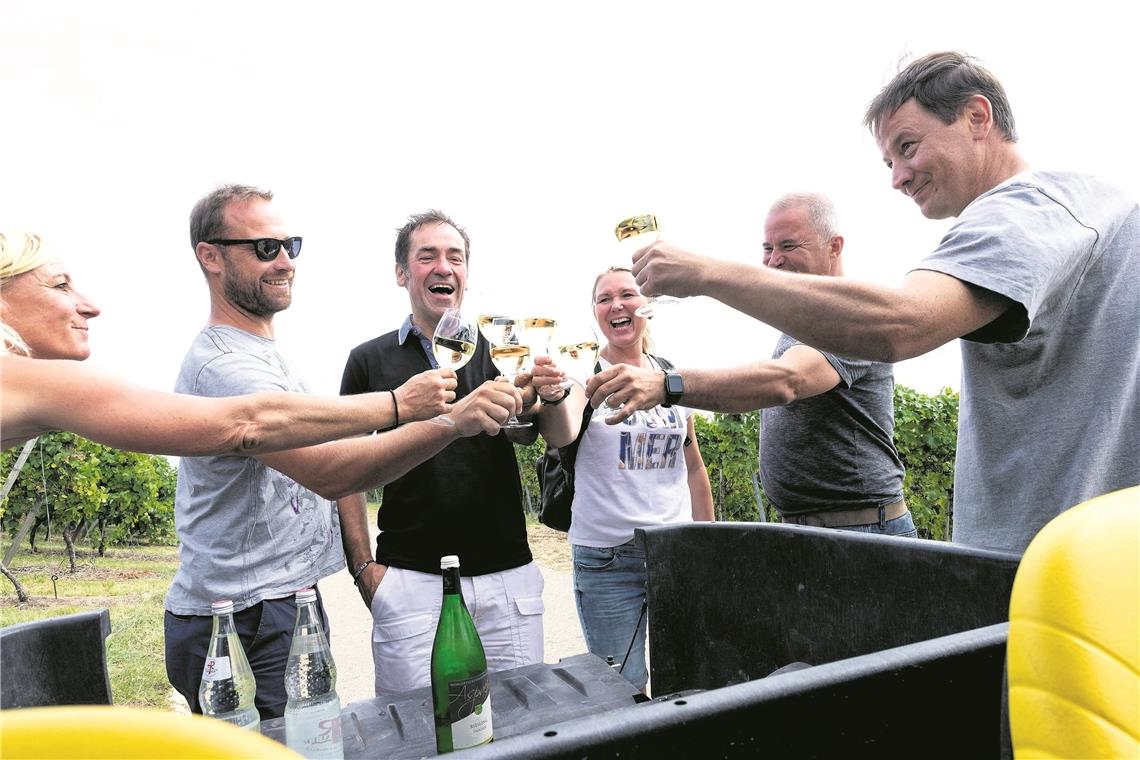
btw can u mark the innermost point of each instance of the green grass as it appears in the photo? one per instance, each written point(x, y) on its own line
point(130, 582)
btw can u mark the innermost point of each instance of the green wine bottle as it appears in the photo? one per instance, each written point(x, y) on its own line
point(460, 688)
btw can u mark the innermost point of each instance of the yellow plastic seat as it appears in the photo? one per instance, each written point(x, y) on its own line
point(1074, 634)
point(105, 731)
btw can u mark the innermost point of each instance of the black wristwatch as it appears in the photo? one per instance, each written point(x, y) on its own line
point(674, 388)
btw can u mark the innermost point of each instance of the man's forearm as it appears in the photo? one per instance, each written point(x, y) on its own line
point(735, 390)
point(353, 512)
point(857, 319)
point(390, 455)
point(341, 468)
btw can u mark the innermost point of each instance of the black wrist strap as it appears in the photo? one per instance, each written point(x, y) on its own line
point(563, 397)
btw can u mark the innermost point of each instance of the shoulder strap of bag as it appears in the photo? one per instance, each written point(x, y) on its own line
point(587, 413)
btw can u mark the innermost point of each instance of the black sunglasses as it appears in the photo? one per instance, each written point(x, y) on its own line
point(266, 248)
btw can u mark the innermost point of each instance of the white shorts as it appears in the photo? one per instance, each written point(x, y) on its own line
point(507, 609)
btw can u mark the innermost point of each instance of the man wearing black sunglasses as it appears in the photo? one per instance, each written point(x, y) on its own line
point(265, 249)
point(257, 529)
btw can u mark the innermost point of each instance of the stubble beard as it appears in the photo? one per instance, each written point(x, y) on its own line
point(248, 297)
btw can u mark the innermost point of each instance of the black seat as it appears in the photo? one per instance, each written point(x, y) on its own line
point(56, 661)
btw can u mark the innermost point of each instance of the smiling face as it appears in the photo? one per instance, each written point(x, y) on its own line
point(939, 166)
point(793, 244)
point(259, 288)
point(49, 314)
point(616, 298)
point(436, 275)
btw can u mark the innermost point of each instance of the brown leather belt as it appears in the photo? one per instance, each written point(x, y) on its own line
point(846, 518)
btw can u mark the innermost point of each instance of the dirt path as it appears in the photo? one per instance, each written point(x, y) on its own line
point(352, 622)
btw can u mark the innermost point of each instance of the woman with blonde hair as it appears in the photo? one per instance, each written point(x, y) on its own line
point(645, 471)
point(44, 387)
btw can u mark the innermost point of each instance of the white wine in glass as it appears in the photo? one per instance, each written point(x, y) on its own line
point(539, 333)
point(497, 328)
point(454, 340)
point(509, 353)
point(453, 345)
point(636, 233)
point(577, 360)
point(510, 358)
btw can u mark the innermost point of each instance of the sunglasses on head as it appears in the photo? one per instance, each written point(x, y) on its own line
point(266, 248)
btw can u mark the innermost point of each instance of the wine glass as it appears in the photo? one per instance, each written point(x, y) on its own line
point(496, 327)
point(577, 354)
point(453, 345)
point(540, 333)
point(509, 351)
point(642, 231)
point(454, 340)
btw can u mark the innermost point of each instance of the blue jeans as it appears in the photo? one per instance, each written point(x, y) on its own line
point(609, 591)
point(900, 526)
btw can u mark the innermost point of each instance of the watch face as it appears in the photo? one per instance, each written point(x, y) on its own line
point(673, 384)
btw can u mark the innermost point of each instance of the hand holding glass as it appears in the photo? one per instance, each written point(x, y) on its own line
point(641, 232)
point(453, 345)
point(509, 353)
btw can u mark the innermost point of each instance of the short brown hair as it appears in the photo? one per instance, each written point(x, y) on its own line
point(207, 220)
point(415, 221)
point(942, 83)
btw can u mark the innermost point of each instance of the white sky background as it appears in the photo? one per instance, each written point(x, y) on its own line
point(537, 126)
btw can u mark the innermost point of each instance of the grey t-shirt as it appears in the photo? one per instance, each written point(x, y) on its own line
point(1050, 406)
point(247, 532)
point(836, 450)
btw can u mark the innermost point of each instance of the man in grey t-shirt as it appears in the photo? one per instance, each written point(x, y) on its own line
point(1039, 277)
point(255, 530)
point(827, 452)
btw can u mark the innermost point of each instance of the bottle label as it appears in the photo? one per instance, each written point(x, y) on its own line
point(315, 731)
point(217, 669)
point(469, 711)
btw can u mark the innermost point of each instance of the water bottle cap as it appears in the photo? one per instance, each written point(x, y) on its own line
point(306, 595)
point(451, 560)
point(222, 606)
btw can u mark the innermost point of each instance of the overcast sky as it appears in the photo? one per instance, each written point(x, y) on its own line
point(535, 125)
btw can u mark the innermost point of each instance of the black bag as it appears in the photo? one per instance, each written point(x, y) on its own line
point(555, 469)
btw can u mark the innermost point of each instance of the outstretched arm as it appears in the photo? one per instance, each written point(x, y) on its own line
point(801, 372)
point(42, 395)
point(837, 314)
point(341, 468)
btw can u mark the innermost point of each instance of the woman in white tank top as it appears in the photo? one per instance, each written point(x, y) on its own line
point(645, 471)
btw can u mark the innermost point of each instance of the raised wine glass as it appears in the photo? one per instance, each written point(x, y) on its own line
point(540, 334)
point(454, 340)
point(636, 233)
point(509, 351)
point(577, 354)
point(453, 345)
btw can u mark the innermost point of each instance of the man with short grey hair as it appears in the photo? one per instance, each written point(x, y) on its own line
point(827, 452)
